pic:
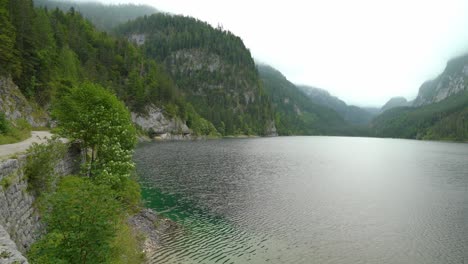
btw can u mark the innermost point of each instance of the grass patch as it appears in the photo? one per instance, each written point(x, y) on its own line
point(13, 132)
point(7, 181)
point(126, 245)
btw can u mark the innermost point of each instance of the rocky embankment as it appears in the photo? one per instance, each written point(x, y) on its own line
point(15, 106)
point(151, 226)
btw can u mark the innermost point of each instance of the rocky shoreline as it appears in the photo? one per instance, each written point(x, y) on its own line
point(151, 227)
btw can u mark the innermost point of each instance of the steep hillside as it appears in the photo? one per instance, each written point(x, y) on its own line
point(352, 114)
point(295, 113)
point(211, 66)
point(47, 52)
point(447, 119)
point(395, 102)
point(453, 80)
point(104, 17)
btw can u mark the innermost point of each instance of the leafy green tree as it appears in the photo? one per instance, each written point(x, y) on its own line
point(81, 224)
point(95, 117)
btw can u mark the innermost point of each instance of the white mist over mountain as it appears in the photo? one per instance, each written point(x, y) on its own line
point(363, 51)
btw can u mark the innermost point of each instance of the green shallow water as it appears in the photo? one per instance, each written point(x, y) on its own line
point(309, 200)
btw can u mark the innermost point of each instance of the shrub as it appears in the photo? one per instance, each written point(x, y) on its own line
point(81, 224)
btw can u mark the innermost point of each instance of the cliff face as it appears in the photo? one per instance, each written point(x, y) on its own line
point(156, 124)
point(452, 81)
point(15, 105)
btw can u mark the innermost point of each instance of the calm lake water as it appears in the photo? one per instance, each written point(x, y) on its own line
point(309, 200)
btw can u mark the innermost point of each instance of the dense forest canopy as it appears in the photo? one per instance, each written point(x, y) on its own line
point(104, 17)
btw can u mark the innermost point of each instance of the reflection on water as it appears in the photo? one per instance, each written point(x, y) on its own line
point(309, 199)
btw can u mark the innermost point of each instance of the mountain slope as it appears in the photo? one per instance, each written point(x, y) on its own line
point(440, 111)
point(211, 66)
point(447, 119)
point(295, 113)
point(352, 114)
point(395, 102)
point(51, 51)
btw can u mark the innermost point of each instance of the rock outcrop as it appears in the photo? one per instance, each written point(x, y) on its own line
point(151, 226)
point(16, 106)
point(9, 253)
point(157, 125)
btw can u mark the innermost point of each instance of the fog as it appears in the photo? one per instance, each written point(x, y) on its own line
point(363, 51)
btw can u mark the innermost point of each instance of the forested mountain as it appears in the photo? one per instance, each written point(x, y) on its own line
point(447, 119)
point(211, 66)
point(46, 51)
point(295, 113)
point(352, 114)
point(104, 17)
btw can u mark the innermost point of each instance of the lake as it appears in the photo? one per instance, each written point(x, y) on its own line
point(309, 200)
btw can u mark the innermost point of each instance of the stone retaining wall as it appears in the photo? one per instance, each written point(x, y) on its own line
point(18, 215)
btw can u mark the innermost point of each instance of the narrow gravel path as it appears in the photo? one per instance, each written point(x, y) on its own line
point(36, 136)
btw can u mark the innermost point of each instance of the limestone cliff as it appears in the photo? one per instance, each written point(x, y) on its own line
point(452, 81)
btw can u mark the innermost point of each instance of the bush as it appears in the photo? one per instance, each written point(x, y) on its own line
point(4, 124)
point(40, 165)
point(81, 224)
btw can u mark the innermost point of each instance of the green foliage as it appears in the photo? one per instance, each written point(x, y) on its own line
point(443, 120)
point(40, 164)
point(95, 117)
point(9, 61)
point(4, 124)
point(81, 225)
point(199, 125)
point(6, 182)
point(125, 247)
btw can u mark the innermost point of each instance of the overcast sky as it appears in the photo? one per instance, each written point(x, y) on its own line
point(363, 51)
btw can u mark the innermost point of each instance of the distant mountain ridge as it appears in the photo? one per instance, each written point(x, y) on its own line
point(352, 114)
point(295, 113)
point(395, 102)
